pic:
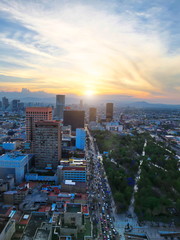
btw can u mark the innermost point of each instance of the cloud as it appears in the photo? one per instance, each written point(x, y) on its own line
point(11, 79)
point(109, 48)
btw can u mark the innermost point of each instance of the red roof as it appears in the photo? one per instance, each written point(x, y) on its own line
point(74, 168)
point(44, 209)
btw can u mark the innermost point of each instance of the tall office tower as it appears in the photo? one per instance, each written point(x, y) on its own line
point(47, 144)
point(109, 112)
point(81, 104)
point(34, 114)
point(92, 114)
point(5, 103)
point(21, 106)
point(60, 104)
point(74, 118)
point(15, 105)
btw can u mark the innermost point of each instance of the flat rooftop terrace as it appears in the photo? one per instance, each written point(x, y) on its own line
point(12, 157)
point(34, 223)
point(42, 234)
point(74, 208)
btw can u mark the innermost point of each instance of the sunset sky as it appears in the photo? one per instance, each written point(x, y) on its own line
point(92, 47)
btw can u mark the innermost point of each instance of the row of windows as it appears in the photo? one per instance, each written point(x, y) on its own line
point(78, 177)
point(32, 113)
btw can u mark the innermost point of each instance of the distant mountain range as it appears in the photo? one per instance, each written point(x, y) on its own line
point(49, 98)
point(39, 96)
point(152, 105)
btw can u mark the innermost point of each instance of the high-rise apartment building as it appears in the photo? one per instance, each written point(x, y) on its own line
point(5, 103)
point(92, 114)
point(47, 144)
point(34, 114)
point(109, 111)
point(15, 105)
point(74, 118)
point(60, 104)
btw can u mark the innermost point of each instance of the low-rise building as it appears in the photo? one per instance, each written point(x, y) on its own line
point(74, 173)
point(16, 164)
point(114, 126)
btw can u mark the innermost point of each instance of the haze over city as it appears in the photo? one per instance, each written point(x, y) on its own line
point(128, 48)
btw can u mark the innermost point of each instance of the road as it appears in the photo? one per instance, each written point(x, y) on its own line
point(100, 197)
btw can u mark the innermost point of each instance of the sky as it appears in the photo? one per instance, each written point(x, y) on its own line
point(129, 48)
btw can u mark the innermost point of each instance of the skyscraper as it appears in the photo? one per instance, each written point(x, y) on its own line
point(109, 112)
point(47, 144)
point(34, 114)
point(60, 104)
point(15, 105)
point(74, 118)
point(92, 114)
point(81, 104)
point(5, 103)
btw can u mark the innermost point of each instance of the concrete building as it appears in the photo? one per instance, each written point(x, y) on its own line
point(109, 112)
point(15, 197)
point(34, 114)
point(60, 104)
point(74, 118)
point(76, 174)
point(67, 138)
point(44, 232)
point(6, 183)
point(16, 164)
point(73, 187)
point(80, 138)
point(81, 105)
point(37, 227)
point(5, 103)
point(47, 144)
point(73, 214)
point(7, 228)
point(15, 105)
point(92, 114)
point(114, 126)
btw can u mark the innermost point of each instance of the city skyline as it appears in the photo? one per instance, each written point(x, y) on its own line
point(92, 48)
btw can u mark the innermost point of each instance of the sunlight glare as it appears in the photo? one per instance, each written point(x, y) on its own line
point(89, 92)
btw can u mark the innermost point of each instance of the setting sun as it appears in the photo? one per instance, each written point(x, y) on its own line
point(89, 92)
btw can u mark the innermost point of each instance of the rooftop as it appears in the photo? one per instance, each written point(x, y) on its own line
point(38, 109)
point(73, 168)
point(42, 234)
point(34, 223)
point(5, 210)
point(73, 207)
point(13, 157)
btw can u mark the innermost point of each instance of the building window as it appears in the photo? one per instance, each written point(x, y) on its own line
point(73, 219)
